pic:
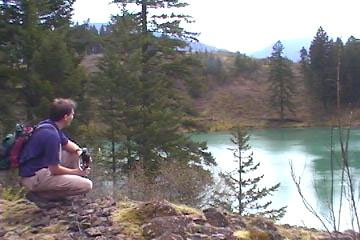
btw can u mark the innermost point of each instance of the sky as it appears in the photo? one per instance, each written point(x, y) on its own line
point(251, 25)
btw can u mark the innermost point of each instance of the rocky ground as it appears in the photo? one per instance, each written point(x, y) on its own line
point(83, 218)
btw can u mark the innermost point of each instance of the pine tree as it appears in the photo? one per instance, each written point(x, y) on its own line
point(244, 64)
point(26, 25)
point(8, 93)
point(350, 71)
point(305, 66)
point(103, 30)
point(138, 73)
point(242, 192)
point(41, 63)
point(116, 87)
point(323, 63)
point(281, 81)
point(85, 39)
point(56, 71)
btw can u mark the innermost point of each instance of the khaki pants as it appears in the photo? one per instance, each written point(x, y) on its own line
point(50, 187)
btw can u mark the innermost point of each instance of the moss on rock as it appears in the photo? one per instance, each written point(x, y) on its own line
point(18, 212)
point(127, 216)
point(242, 235)
point(183, 209)
point(55, 228)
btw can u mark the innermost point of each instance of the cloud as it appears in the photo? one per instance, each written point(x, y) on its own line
point(250, 25)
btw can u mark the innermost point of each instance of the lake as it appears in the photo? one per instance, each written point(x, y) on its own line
point(309, 151)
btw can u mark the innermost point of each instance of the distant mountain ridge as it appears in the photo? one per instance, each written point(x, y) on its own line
point(291, 49)
point(201, 47)
point(193, 46)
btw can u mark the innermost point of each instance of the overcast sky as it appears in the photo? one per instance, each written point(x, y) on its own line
point(251, 25)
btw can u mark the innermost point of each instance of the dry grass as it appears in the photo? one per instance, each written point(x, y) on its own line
point(183, 209)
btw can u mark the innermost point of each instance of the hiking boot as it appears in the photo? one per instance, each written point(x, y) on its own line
point(62, 201)
point(39, 201)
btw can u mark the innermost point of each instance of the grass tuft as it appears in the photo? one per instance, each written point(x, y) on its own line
point(127, 216)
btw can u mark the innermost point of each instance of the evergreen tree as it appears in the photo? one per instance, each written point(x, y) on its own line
point(103, 30)
point(26, 24)
point(244, 64)
point(137, 75)
point(242, 192)
point(350, 71)
point(323, 61)
point(8, 94)
point(56, 73)
point(214, 68)
point(116, 88)
point(36, 62)
point(281, 81)
point(305, 68)
point(85, 39)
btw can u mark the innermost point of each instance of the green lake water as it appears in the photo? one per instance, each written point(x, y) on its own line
point(309, 151)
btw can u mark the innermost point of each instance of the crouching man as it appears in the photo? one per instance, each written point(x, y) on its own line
point(49, 163)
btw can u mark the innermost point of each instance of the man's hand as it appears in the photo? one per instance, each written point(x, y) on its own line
point(85, 159)
point(83, 172)
point(57, 169)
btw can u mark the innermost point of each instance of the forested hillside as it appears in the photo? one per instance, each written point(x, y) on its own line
point(42, 59)
point(232, 88)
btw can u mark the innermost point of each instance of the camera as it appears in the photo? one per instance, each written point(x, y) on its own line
point(85, 158)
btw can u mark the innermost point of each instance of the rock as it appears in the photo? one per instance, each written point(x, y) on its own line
point(115, 230)
point(161, 225)
point(199, 236)
point(87, 211)
point(158, 220)
point(12, 236)
point(101, 238)
point(334, 235)
point(2, 232)
point(98, 221)
point(73, 226)
point(212, 231)
point(263, 224)
point(155, 209)
point(215, 217)
point(45, 221)
point(237, 222)
point(75, 235)
point(169, 236)
point(352, 233)
point(95, 231)
point(198, 219)
point(267, 226)
point(85, 224)
point(106, 212)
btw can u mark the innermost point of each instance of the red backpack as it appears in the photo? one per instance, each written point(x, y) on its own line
point(19, 144)
point(13, 144)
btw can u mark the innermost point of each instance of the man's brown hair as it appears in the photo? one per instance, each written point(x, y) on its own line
point(61, 107)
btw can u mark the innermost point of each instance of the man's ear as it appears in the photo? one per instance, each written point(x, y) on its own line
point(66, 116)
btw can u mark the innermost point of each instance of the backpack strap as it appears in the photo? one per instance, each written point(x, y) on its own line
point(36, 128)
point(44, 125)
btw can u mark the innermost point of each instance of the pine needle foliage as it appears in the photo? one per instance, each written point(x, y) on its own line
point(137, 86)
point(242, 190)
point(40, 64)
point(281, 82)
point(323, 61)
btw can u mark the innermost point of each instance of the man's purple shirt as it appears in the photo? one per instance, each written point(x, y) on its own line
point(42, 149)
